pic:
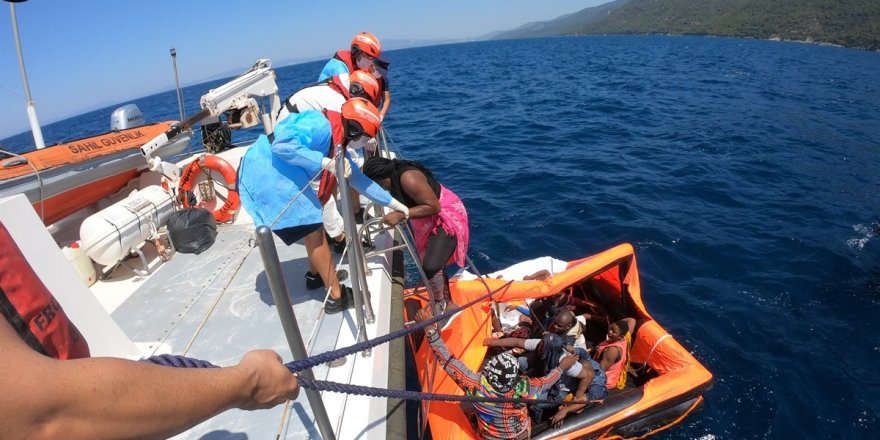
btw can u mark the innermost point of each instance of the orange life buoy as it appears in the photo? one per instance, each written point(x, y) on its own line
point(224, 213)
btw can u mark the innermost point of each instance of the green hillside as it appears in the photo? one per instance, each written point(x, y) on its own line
point(565, 25)
point(851, 23)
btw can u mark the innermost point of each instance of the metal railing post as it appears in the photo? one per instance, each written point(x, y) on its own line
point(405, 233)
point(355, 253)
point(403, 230)
point(288, 321)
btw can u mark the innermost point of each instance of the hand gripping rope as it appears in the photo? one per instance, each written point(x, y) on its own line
point(321, 385)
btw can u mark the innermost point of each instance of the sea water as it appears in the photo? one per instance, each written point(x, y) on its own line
point(746, 174)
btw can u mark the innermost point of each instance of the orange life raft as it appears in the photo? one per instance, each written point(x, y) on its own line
point(670, 384)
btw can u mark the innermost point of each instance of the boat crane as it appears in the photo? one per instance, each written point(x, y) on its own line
point(237, 99)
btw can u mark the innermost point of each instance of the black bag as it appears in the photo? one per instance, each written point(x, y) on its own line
point(192, 231)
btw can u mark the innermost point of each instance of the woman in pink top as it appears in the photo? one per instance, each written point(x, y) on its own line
point(613, 353)
point(438, 219)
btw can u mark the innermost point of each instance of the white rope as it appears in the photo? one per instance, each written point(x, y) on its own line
point(39, 181)
point(656, 344)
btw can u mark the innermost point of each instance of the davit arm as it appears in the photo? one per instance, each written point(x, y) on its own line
point(238, 97)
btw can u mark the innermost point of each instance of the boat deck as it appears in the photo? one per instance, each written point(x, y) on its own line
point(217, 306)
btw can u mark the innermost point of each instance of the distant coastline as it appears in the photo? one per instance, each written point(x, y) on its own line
point(843, 23)
point(778, 39)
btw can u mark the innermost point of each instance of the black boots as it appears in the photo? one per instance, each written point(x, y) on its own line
point(333, 306)
point(313, 281)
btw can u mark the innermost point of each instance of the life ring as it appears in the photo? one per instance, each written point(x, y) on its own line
point(224, 213)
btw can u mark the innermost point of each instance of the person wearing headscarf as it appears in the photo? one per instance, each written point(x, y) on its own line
point(437, 217)
point(499, 377)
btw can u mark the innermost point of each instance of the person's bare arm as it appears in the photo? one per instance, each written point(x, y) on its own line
point(415, 184)
point(631, 322)
point(540, 275)
point(386, 103)
point(609, 356)
point(505, 342)
point(584, 378)
point(463, 376)
point(496, 322)
point(114, 398)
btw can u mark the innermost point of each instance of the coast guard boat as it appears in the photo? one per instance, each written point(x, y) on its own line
point(132, 298)
point(247, 291)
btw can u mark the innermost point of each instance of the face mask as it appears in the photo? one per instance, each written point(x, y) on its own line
point(358, 142)
point(377, 74)
point(365, 63)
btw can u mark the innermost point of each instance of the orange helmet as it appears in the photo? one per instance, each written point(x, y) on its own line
point(367, 43)
point(362, 112)
point(364, 85)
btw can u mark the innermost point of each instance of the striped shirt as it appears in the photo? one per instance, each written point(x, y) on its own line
point(495, 420)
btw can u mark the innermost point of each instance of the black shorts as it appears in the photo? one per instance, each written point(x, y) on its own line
point(295, 233)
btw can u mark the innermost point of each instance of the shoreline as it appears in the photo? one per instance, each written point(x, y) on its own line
point(774, 38)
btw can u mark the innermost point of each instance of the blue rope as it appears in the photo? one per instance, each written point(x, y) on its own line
point(169, 360)
point(320, 385)
point(322, 358)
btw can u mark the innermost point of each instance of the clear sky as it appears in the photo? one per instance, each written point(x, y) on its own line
point(82, 55)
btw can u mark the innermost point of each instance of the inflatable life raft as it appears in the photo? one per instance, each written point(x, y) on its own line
point(665, 384)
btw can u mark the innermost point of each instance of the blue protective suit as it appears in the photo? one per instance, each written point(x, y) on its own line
point(271, 174)
point(334, 67)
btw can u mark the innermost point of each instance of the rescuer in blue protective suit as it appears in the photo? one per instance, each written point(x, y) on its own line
point(365, 48)
point(271, 174)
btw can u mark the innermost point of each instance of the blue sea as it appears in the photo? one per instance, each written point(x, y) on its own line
point(746, 173)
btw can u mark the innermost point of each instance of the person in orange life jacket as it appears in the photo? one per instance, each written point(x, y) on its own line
point(383, 102)
point(330, 95)
point(380, 72)
point(437, 217)
point(53, 389)
point(499, 377)
point(274, 182)
point(613, 353)
point(365, 47)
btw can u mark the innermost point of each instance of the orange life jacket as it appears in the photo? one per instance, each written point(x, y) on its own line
point(336, 85)
point(328, 181)
point(345, 57)
point(612, 374)
point(31, 310)
point(333, 82)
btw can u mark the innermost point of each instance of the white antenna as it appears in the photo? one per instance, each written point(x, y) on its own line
point(31, 109)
